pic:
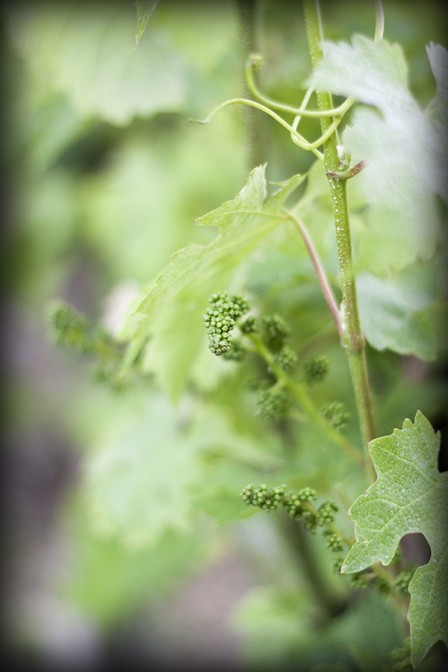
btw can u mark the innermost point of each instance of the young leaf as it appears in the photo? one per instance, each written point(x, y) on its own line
point(171, 312)
point(410, 495)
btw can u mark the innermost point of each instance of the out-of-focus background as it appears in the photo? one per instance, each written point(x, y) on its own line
point(102, 178)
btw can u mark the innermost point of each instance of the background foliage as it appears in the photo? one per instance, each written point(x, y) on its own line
point(125, 527)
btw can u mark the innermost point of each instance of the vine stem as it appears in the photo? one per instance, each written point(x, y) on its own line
point(353, 339)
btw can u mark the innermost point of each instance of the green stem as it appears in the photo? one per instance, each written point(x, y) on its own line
point(301, 395)
point(353, 337)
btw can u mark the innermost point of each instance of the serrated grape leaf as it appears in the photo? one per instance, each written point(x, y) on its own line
point(87, 52)
point(144, 10)
point(170, 313)
point(396, 141)
point(409, 495)
point(403, 313)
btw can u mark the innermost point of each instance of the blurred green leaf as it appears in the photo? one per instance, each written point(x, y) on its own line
point(279, 631)
point(130, 201)
point(88, 53)
point(403, 313)
point(140, 471)
point(224, 505)
point(374, 72)
point(108, 580)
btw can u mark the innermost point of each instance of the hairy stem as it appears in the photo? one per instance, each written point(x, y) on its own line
point(353, 337)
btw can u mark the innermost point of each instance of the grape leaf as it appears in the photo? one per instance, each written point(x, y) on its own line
point(151, 467)
point(396, 141)
point(88, 52)
point(374, 72)
point(107, 579)
point(171, 312)
point(403, 313)
point(409, 495)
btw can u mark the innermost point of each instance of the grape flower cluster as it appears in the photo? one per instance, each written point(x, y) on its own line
point(316, 369)
point(273, 402)
point(275, 331)
point(336, 414)
point(299, 506)
point(71, 329)
point(221, 319)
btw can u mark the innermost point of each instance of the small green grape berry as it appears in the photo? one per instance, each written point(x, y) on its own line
point(325, 513)
point(306, 495)
point(332, 541)
point(232, 306)
point(295, 511)
point(310, 521)
point(248, 325)
point(69, 328)
point(401, 656)
point(275, 331)
point(278, 494)
point(316, 369)
point(264, 499)
point(247, 494)
point(336, 413)
point(273, 403)
point(293, 505)
point(286, 359)
point(235, 353)
point(219, 345)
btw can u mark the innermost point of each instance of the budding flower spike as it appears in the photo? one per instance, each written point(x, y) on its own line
point(273, 403)
point(275, 332)
point(316, 369)
point(221, 319)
